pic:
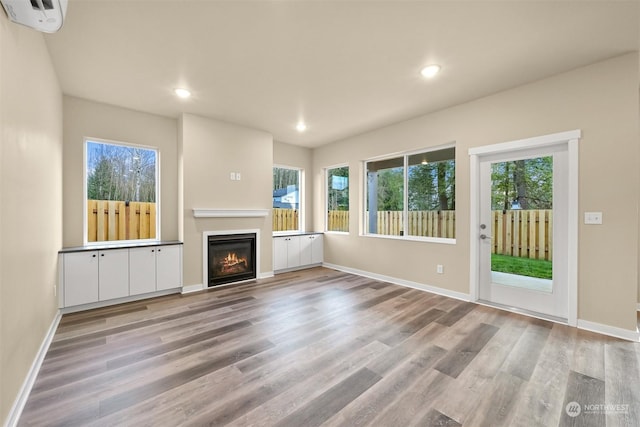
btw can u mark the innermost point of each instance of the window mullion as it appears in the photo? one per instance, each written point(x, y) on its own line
point(405, 214)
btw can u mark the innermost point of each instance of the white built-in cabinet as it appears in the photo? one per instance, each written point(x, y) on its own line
point(153, 269)
point(113, 274)
point(80, 278)
point(297, 251)
point(92, 276)
point(311, 250)
point(168, 271)
point(142, 270)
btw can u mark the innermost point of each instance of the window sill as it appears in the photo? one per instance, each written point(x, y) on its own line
point(440, 240)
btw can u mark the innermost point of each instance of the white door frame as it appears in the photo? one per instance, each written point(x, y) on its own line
point(570, 138)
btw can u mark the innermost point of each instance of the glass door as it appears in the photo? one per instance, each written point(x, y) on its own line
point(523, 216)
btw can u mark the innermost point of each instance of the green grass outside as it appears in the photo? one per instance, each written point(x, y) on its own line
point(522, 266)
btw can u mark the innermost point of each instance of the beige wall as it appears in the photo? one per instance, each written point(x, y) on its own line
point(211, 150)
point(601, 100)
point(84, 118)
point(299, 157)
point(30, 202)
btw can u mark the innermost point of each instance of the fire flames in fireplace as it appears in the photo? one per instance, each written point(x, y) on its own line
point(232, 264)
point(231, 258)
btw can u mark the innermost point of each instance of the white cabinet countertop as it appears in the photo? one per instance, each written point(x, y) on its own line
point(108, 246)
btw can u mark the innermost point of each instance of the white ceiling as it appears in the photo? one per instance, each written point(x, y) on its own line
point(345, 67)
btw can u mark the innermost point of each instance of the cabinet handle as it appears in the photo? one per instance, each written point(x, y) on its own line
point(159, 250)
point(93, 256)
point(101, 254)
point(153, 250)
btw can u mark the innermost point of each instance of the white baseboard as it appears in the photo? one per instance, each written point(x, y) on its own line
point(27, 385)
point(265, 275)
point(401, 282)
point(192, 288)
point(613, 331)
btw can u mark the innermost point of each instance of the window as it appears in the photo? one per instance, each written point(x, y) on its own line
point(121, 192)
point(412, 195)
point(385, 196)
point(286, 198)
point(338, 199)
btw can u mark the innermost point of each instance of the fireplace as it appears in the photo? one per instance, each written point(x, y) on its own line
point(231, 258)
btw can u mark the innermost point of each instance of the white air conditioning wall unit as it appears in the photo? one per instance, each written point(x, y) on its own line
point(42, 15)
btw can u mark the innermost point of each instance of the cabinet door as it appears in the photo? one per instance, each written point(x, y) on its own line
point(279, 253)
point(168, 267)
point(293, 251)
point(113, 274)
point(80, 278)
point(305, 249)
point(142, 270)
point(317, 249)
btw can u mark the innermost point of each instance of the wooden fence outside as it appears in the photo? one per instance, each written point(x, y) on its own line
point(518, 233)
point(420, 223)
point(285, 219)
point(338, 220)
point(109, 220)
point(523, 233)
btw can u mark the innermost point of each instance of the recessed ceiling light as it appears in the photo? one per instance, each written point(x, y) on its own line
point(430, 71)
point(182, 93)
point(301, 126)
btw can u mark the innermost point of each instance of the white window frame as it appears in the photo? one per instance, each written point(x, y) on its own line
point(301, 200)
point(405, 155)
point(326, 197)
point(85, 224)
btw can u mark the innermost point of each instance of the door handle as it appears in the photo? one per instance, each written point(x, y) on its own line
point(484, 237)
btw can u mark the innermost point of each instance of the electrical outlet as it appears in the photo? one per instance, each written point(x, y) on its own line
point(238, 176)
point(593, 217)
point(440, 269)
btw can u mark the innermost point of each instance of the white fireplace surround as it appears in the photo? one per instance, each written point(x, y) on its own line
point(205, 251)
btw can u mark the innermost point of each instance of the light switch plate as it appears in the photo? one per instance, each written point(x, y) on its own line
point(232, 176)
point(593, 217)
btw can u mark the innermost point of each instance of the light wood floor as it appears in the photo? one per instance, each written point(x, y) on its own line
point(321, 347)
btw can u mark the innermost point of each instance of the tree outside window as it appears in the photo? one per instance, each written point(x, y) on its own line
point(522, 184)
point(121, 192)
point(432, 193)
point(429, 185)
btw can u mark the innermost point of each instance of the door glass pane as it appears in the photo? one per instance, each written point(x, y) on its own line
point(522, 223)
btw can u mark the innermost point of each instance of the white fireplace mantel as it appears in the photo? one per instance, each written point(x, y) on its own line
point(230, 213)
